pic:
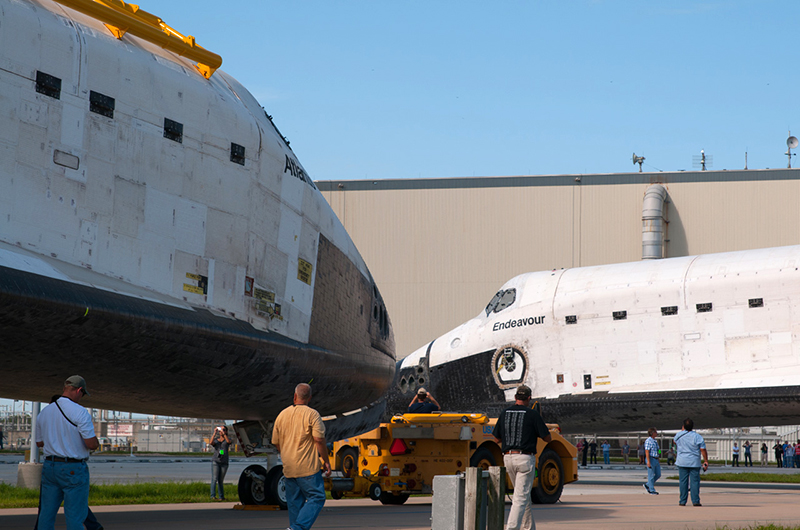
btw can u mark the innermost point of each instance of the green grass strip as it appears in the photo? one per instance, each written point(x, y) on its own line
point(142, 493)
point(748, 477)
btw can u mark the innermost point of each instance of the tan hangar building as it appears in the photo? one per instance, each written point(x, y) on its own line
point(439, 249)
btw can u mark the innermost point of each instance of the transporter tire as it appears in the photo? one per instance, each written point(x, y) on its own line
point(275, 487)
point(390, 498)
point(375, 491)
point(251, 491)
point(482, 458)
point(551, 479)
point(348, 462)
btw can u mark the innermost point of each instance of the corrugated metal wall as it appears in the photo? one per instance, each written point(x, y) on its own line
point(440, 248)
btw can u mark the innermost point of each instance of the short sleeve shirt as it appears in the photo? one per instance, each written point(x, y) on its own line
point(519, 427)
point(651, 446)
point(422, 408)
point(689, 444)
point(294, 431)
point(60, 437)
point(220, 454)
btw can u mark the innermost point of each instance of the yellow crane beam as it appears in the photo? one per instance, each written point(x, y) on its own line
point(121, 17)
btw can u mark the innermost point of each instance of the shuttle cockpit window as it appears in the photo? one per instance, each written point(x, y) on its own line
point(501, 300)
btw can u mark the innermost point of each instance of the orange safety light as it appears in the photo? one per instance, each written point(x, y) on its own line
point(398, 447)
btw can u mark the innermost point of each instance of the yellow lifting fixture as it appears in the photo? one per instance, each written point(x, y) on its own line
point(120, 18)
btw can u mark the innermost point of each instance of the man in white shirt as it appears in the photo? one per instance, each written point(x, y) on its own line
point(66, 435)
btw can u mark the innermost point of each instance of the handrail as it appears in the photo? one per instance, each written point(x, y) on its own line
point(120, 18)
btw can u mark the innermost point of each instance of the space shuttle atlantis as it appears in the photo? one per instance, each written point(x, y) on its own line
point(630, 346)
point(159, 237)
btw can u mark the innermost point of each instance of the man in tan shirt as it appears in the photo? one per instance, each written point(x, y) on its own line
point(299, 437)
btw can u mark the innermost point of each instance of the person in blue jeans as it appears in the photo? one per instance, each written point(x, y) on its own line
point(606, 452)
point(219, 461)
point(299, 437)
point(691, 447)
point(653, 465)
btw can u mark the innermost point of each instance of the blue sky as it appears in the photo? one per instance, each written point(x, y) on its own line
point(412, 89)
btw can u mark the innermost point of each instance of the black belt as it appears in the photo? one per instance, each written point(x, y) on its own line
point(513, 452)
point(67, 460)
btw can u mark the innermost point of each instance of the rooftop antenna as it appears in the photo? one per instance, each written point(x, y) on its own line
point(703, 160)
point(791, 143)
point(638, 160)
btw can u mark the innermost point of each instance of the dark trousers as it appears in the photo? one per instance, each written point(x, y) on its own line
point(584, 457)
point(735, 461)
point(593, 458)
point(779, 459)
point(748, 457)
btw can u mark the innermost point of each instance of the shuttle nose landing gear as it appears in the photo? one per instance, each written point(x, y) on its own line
point(257, 486)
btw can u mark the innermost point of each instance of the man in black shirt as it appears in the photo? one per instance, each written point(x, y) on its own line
point(518, 429)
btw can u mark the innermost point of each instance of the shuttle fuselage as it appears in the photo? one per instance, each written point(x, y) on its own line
point(629, 346)
point(159, 237)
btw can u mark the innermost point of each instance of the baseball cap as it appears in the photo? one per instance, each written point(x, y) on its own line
point(422, 390)
point(523, 391)
point(77, 381)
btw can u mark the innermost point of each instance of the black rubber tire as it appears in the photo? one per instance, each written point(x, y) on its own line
point(336, 495)
point(250, 491)
point(348, 462)
point(483, 458)
point(390, 498)
point(551, 478)
point(275, 488)
point(375, 491)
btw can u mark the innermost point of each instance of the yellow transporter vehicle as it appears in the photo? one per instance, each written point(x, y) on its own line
point(402, 457)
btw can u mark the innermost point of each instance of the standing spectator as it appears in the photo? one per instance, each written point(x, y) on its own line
point(797, 454)
point(593, 451)
point(606, 452)
point(585, 451)
point(66, 435)
point(653, 465)
point(299, 437)
point(1, 437)
point(788, 454)
point(764, 451)
point(735, 462)
point(778, 448)
point(670, 456)
point(626, 452)
point(518, 429)
point(219, 461)
point(640, 451)
point(423, 403)
point(690, 447)
point(747, 455)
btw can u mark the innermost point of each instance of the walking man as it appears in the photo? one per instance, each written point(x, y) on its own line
point(518, 429)
point(690, 448)
point(626, 452)
point(653, 465)
point(66, 435)
point(299, 437)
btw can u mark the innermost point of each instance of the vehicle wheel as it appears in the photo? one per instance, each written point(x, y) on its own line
point(336, 495)
point(551, 479)
point(375, 491)
point(392, 499)
point(348, 462)
point(482, 458)
point(275, 487)
point(252, 491)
